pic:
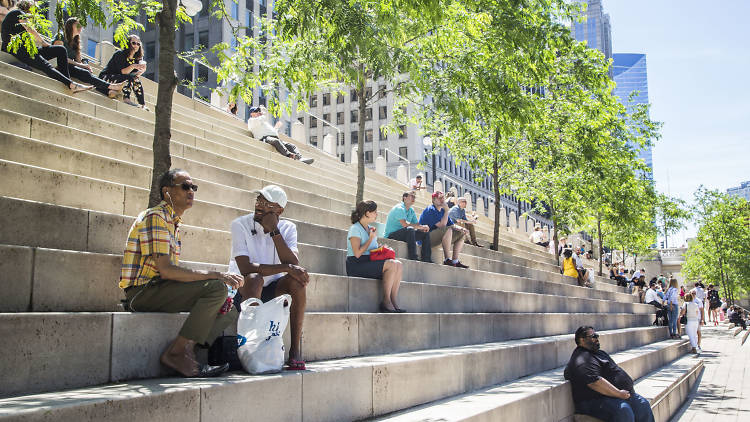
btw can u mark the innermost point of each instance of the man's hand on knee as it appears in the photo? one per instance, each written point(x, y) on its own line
point(299, 275)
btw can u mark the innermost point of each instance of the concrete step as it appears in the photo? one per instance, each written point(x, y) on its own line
point(543, 397)
point(38, 184)
point(55, 114)
point(33, 277)
point(138, 339)
point(329, 390)
point(176, 125)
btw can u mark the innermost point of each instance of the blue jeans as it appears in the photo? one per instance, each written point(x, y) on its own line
point(674, 316)
point(634, 409)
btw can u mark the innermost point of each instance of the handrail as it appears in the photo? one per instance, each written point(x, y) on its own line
point(408, 163)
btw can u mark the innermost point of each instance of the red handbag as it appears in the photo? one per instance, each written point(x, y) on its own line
point(382, 253)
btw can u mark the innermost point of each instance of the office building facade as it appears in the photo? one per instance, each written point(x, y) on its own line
point(596, 30)
point(630, 73)
point(742, 191)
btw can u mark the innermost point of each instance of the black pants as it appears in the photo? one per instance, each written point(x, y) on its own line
point(410, 235)
point(87, 77)
point(132, 85)
point(40, 62)
point(284, 148)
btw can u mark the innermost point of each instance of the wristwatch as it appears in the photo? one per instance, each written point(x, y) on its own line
point(275, 232)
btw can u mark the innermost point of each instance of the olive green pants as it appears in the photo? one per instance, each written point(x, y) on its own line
point(202, 299)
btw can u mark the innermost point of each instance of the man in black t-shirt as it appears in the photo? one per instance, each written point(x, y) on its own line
point(601, 388)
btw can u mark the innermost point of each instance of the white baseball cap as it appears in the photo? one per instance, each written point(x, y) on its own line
point(273, 193)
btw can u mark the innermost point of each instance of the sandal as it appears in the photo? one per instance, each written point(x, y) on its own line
point(295, 365)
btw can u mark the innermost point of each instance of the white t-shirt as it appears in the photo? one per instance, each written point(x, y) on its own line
point(700, 294)
point(692, 311)
point(260, 127)
point(577, 259)
point(537, 236)
point(651, 296)
point(259, 247)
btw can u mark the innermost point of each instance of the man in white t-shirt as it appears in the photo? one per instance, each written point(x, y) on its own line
point(417, 183)
point(264, 252)
point(258, 124)
point(700, 299)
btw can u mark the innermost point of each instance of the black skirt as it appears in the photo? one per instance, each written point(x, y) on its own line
point(363, 267)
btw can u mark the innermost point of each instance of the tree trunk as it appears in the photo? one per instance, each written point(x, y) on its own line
point(163, 112)
point(361, 137)
point(601, 247)
point(496, 191)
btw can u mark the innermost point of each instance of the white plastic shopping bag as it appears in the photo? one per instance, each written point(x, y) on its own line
point(259, 334)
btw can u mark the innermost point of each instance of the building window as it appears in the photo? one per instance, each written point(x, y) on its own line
point(326, 117)
point(342, 157)
point(355, 136)
point(342, 141)
point(368, 114)
point(383, 114)
point(91, 49)
point(368, 135)
point(203, 38)
point(382, 136)
point(313, 122)
point(339, 99)
point(382, 153)
point(313, 101)
point(382, 91)
point(340, 118)
point(249, 21)
point(368, 93)
point(301, 120)
point(353, 117)
point(314, 141)
point(368, 157)
point(402, 129)
point(326, 99)
point(188, 42)
point(353, 95)
point(235, 10)
point(404, 152)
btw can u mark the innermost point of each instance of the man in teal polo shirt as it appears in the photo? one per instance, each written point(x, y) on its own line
point(402, 224)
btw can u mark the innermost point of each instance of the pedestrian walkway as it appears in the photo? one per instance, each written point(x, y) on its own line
point(723, 393)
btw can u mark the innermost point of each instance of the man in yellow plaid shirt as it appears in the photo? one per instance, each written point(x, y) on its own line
point(153, 281)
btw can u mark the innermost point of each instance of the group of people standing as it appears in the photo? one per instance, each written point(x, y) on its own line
point(121, 75)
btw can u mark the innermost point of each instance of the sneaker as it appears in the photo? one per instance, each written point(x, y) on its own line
point(448, 262)
point(460, 265)
point(699, 350)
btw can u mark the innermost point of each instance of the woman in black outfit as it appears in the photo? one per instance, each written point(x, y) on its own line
point(126, 66)
point(14, 24)
point(71, 40)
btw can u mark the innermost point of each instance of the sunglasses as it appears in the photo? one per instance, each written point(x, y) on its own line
point(594, 336)
point(135, 43)
point(188, 186)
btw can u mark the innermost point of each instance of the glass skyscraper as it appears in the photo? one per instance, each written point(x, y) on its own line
point(629, 72)
point(596, 29)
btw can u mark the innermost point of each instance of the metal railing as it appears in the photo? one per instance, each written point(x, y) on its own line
point(408, 163)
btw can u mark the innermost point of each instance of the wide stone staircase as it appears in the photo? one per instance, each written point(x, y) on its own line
point(486, 343)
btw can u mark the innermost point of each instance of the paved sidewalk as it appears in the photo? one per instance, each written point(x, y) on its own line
point(723, 394)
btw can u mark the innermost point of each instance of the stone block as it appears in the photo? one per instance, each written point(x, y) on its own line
point(16, 269)
point(340, 331)
point(37, 224)
point(107, 233)
point(404, 384)
point(241, 398)
point(75, 281)
point(339, 394)
point(328, 293)
point(461, 329)
point(14, 123)
point(53, 351)
point(391, 333)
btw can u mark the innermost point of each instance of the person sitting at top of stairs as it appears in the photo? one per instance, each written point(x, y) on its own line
point(442, 229)
point(600, 387)
point(154, 282)
point(264, 247)
point(263, 131)
point(15, 23)
point(127, 66)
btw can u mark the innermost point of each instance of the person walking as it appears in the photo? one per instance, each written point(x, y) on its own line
point(692, 311)
point(673, 307)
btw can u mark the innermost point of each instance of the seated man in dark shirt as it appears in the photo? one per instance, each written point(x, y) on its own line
point(601, 388)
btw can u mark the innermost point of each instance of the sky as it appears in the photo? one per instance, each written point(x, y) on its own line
point(698, 59)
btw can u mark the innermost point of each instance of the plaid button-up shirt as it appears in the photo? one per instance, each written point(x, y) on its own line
point(154, 233)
